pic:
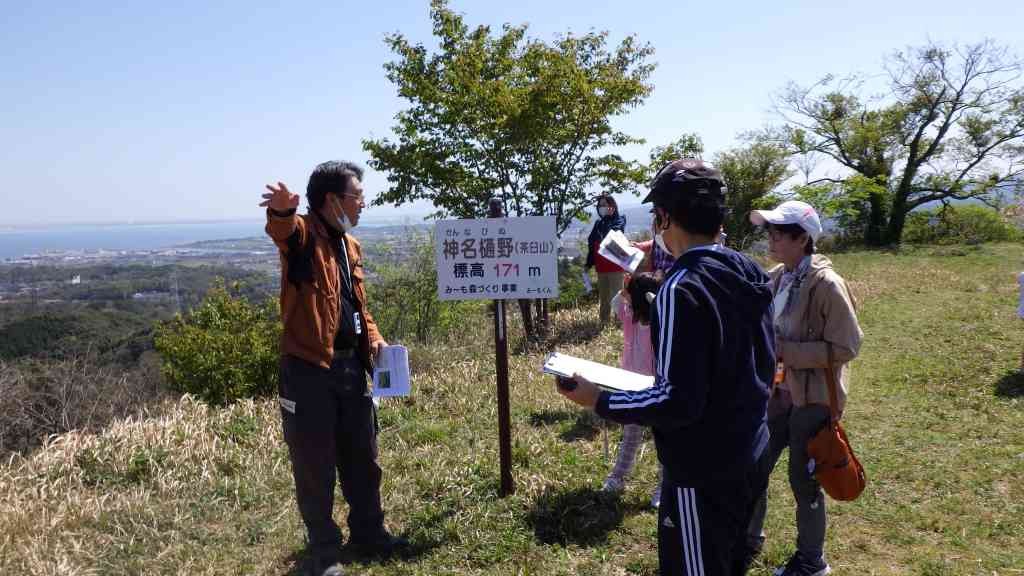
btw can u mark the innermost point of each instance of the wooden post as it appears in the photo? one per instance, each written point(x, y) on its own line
point(495, 210)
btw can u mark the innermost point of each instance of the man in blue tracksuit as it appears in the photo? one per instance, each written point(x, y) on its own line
point(713, 341)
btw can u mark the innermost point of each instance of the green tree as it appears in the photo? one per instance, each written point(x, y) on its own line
point(847, 202)
point(752, 172)
point(689, 145)
point(950, 127)
point(224, 349)
point(512, 117)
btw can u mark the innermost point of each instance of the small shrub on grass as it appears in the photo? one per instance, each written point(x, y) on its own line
point(965, 224)
point(224, 349)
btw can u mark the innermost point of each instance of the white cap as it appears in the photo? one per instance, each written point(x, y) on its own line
point(790, 212)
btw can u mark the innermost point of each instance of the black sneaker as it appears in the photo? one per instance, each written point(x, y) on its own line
point(383, 547)
point(799, 565)
point(749, 553)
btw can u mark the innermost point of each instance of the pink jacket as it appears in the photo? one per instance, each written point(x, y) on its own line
point(637, 350)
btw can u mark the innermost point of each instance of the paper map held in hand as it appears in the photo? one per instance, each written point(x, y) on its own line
point(607, 377)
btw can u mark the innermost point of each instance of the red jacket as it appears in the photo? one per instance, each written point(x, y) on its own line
point(602, 264)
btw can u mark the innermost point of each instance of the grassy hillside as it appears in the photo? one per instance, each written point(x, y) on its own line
point(936, 415)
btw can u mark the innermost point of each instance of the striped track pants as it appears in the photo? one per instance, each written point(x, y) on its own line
point(701, 530)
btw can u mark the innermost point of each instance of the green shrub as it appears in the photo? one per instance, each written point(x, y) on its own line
point(964, 224)
point(403, 296)
point(571, 291)
point(224, 349)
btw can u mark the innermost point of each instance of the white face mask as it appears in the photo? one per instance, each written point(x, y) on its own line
point(604, 211)
point(344, 223)
point(659, 239)
point(342, 220)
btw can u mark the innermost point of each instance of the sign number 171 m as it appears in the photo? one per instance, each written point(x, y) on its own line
point(496, 258)
point(504, 270)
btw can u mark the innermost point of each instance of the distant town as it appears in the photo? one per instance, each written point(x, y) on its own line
point(168, 280)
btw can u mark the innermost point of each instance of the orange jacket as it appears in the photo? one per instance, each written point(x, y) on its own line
point(310, 312)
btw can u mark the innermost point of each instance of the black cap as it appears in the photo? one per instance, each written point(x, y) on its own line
point(686, 175)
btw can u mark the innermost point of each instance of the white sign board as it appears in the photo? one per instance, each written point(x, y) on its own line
point(496, 258)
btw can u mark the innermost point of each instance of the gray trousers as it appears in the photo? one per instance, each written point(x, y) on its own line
point(791, 427)
point(330, 426)
point(608, 285)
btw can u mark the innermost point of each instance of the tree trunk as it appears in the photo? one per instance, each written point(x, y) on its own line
point(541, 305)
point(526, 311)
point(874, 235)
point(898, 217)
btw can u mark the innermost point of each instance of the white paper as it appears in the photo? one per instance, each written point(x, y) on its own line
point(588, 288)
point(605, 376)
point(391, 372)
point(616, 247)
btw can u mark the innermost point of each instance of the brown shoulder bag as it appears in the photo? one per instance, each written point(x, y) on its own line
point(835, 466)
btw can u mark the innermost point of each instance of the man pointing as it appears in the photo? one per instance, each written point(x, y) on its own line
point(328, 342)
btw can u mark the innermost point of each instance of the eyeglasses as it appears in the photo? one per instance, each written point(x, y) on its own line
point(359, 198)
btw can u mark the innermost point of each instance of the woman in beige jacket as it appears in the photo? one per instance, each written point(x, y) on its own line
point(813, 311)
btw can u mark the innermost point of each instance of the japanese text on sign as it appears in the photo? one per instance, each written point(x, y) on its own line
point(497, 258)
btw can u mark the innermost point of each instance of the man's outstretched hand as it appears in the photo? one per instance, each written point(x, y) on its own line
point(279, 198)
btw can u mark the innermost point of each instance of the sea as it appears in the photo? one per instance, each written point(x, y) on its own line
point(21, 241)
point(18, 241)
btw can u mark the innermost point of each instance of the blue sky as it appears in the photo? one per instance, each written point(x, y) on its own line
point(131, 111)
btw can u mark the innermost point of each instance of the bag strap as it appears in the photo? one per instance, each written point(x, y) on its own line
point(830, 377)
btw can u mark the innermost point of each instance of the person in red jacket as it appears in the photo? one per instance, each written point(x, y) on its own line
point(609, 274)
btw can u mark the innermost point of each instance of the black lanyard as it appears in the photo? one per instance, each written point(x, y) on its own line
point(346, 276)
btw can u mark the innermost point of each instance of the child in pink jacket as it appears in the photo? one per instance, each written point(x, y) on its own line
point(632, 307)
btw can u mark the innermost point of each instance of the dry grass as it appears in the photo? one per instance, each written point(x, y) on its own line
point(935, 415)
point(42, 398)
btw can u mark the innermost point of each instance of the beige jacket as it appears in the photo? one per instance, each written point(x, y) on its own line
point(825, 312)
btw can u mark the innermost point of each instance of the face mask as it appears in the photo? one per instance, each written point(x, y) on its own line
point(660, 241)
point(604, 211)
point(342, 219)
point(344, 223)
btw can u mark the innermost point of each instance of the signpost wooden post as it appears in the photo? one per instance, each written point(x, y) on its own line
point(498, 259)
point(494, 210)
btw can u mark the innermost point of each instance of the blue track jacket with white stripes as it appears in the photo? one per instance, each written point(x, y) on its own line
point(714, 360)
